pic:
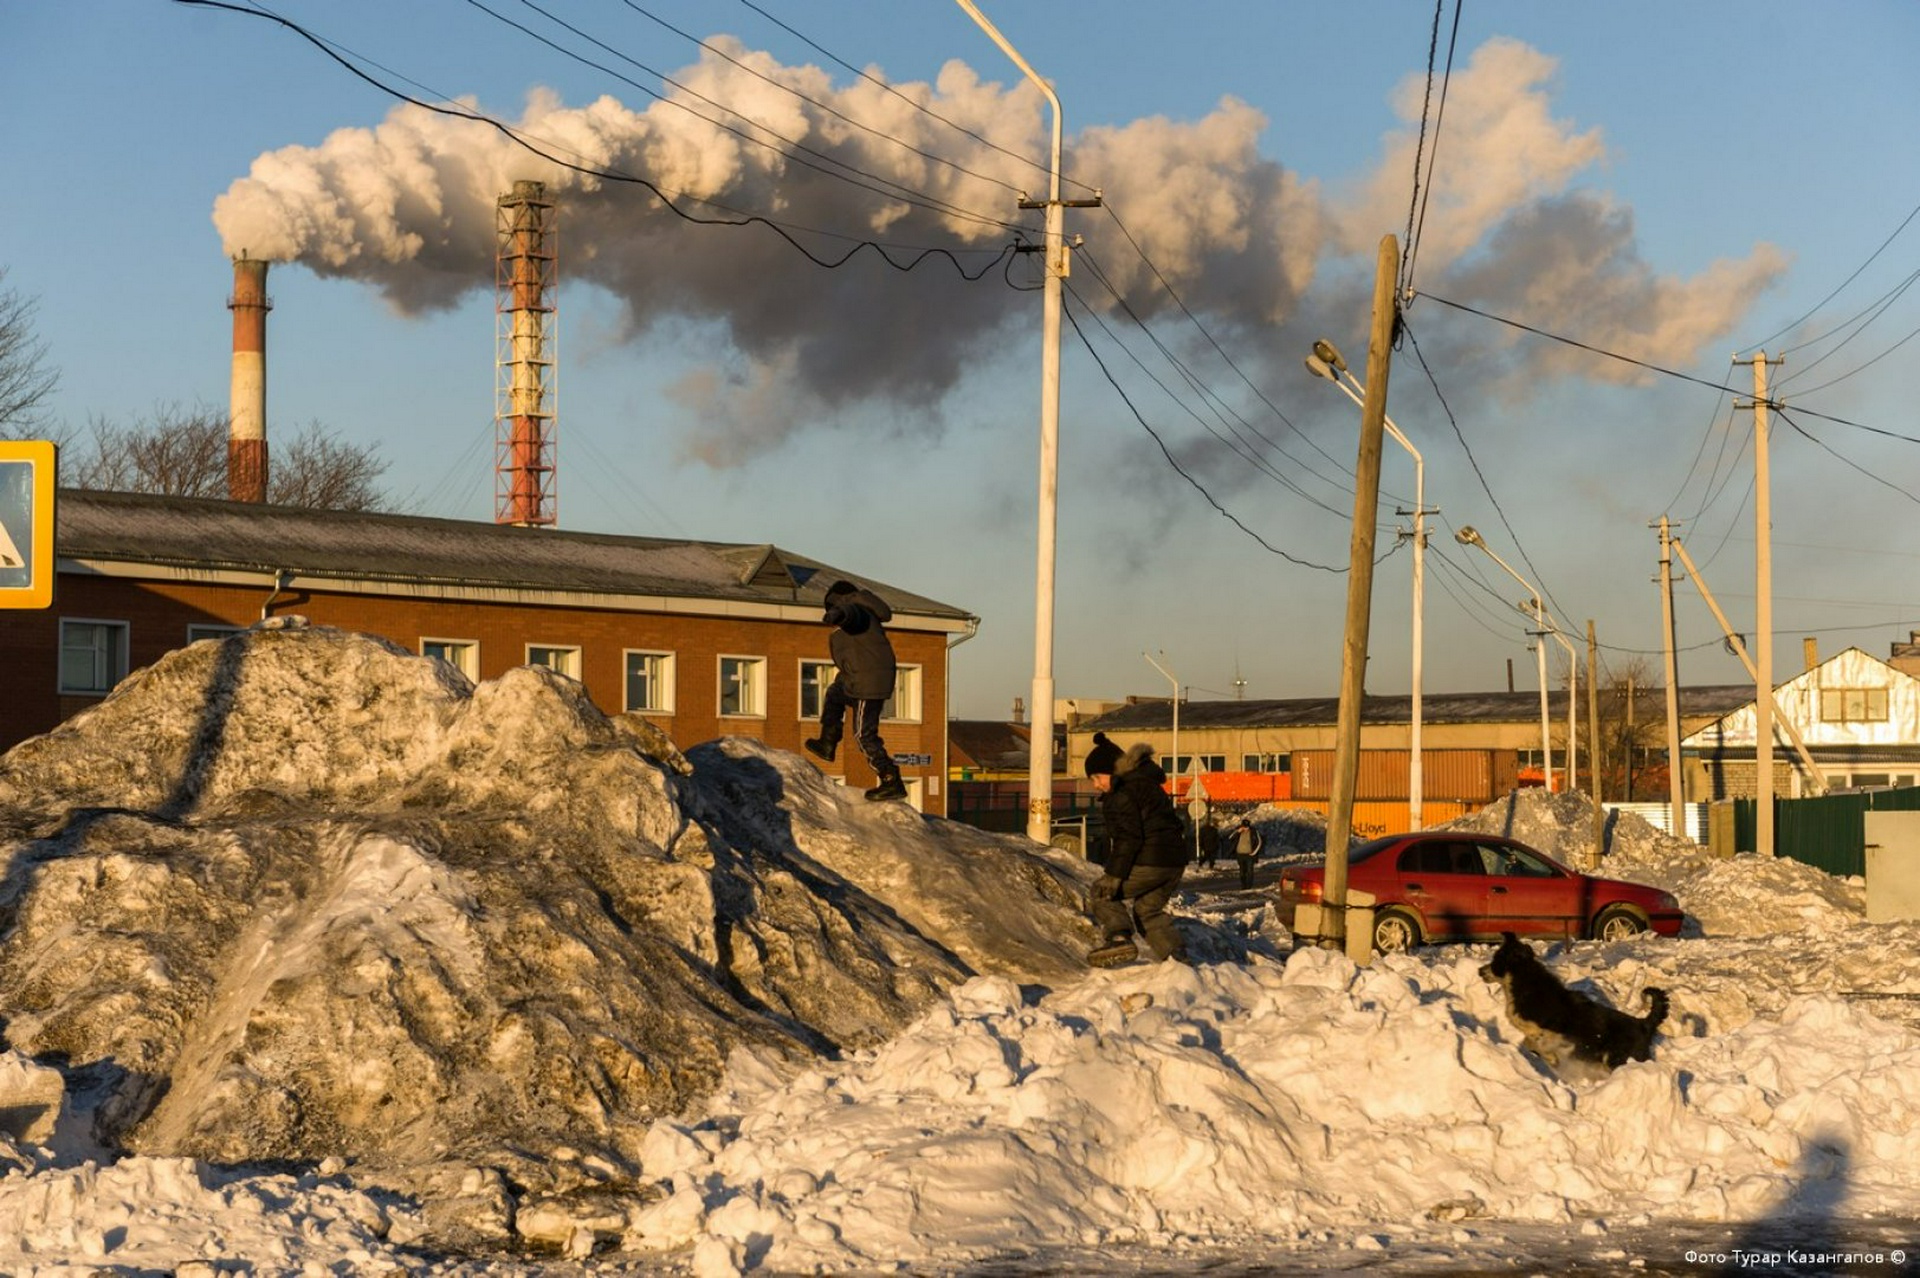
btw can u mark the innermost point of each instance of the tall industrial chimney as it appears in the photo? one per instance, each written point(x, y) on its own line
point(247, 402)
point(524, 276)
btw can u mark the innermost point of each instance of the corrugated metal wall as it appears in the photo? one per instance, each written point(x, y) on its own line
point(1471, 776)
point(1828, 832)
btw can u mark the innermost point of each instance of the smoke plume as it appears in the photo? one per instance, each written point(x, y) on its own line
point(407, 207)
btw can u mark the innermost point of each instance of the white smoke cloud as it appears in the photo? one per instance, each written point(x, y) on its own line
point(408, 208)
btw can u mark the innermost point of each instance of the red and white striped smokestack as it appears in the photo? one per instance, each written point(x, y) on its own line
point(247, 405)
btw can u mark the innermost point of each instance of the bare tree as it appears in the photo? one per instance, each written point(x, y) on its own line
point(1632, 729)
point(26, 379)
point(183, 453)
point(316, 468)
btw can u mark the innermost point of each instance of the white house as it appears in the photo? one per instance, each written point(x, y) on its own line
point(1857, 716)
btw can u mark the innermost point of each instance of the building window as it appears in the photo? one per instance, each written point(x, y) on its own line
point(462, 654)
point(815, 678)
point(1266, 762)
point(650, 682)
point(1853, 705)
point(93, 656)
point(559, 658)
point(1178, 764)
point(904, 704)
point(743, 686)
point(196, 633)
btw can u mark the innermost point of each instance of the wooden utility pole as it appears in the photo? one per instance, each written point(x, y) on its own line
point(1353, 652)
point(1762, 610)
point(1678, 815)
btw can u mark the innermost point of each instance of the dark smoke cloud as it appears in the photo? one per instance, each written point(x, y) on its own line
point(408, 208)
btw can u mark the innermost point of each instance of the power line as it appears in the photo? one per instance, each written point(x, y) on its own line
point(1174, 462)
point(793, 149)
point(1211, 398)
point(1423, 181)
point(1812, 439)
point(718, 52)
point(1485, 487)
point(1627, 359)
point(785, 231)
point(1167, 285)
point(874, 80)
point(1842, 285)
point(1238, 449)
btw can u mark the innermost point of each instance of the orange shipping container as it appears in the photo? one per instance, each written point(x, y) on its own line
point(1470, 776)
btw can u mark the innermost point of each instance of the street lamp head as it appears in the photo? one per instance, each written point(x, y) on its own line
point(1320, 368)
point(1468, 536)
point(1330, 353)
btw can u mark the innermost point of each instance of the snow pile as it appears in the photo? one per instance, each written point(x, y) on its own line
point(1309, 1101)
point(298, 894)
point(378, 965)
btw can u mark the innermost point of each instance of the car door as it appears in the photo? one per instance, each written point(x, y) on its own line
point(1526, 894)
point(1447, 884)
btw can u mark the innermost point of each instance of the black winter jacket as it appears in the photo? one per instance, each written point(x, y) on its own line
point(860, 645)
point(1142, 826)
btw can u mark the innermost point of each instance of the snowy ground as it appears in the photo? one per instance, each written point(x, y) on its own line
point(1264, 1110)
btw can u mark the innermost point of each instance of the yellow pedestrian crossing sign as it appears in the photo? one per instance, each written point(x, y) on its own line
point(27, 468)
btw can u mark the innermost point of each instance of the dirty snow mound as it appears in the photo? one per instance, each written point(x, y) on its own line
point(300, 893)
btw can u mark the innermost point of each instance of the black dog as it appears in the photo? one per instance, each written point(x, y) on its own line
point(1559, 1023)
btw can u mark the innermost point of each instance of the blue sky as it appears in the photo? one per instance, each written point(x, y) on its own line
point(1675, 183)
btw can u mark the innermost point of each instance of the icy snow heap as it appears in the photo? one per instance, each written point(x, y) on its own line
point(297, 893)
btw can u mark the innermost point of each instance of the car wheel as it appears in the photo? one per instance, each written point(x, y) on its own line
point(1617, 923)
point(1395, 932)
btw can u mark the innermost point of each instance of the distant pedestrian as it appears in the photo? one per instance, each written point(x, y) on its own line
point(863, 680)
point(1209, 844)
point(1147, 854)
point(1246, 844)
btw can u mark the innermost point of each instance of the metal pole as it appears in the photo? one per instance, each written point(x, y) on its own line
point(1353, 651)
point(1467, 535)
point(1593, 745)
point(1173, 762)
point(1572, 751)
point(1040, 756)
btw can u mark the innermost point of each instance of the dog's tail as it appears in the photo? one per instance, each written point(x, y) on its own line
point(1656, 1000)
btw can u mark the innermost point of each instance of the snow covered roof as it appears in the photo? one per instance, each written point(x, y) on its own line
point(1705, 702)
point(207, 535)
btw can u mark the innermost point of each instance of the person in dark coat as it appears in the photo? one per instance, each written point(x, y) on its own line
point(1146, 855)
point(1245, 843)
point(1209, 844)
point(865, 669)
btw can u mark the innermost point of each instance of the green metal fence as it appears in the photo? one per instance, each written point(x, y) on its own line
point(1829, 832)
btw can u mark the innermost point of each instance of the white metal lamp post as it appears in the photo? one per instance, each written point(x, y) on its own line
point(1326, 362)
point(1040, 757)
point(1573, 698)
point(1173, 762)
point(1469, 536)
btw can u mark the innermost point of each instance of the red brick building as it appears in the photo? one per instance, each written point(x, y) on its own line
point(704, 639)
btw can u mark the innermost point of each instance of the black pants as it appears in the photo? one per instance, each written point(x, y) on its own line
point(866, 727)
point(1142, 907)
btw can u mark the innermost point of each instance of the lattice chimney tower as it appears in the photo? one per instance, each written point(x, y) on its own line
point(525, 272)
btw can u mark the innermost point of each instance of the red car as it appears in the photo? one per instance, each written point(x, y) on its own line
point(1449, 885)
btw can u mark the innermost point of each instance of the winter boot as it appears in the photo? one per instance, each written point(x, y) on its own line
point(822, 748)
point(890, 787)
point(1119, 951)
